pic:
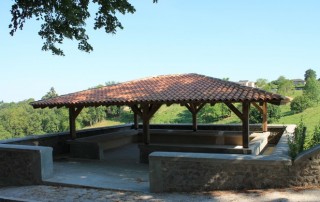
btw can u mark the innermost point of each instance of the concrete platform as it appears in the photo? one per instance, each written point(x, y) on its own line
point(120, 170)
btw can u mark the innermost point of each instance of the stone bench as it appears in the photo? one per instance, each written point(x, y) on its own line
point(199, 137)
point(227, 142)
point(92, 147)
point(145, 150)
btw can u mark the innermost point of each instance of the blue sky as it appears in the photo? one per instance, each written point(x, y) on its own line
point(238, 39)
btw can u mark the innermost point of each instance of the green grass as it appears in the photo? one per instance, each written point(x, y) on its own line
point(310, 117)
point(104, 123)
point(171, 114)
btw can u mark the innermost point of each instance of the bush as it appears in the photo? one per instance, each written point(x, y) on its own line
point(274, 114)
point(314, 139)
point(296, 142)
point(300, 103)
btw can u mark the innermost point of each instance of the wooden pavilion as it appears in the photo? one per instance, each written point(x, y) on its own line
point(145, 97)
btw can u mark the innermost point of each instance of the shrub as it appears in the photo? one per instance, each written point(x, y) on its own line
point(314, 139)
point(274, 114)
point(299, 104)
point(296, 142)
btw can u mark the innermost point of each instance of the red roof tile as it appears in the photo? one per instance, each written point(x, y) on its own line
point(181, 88)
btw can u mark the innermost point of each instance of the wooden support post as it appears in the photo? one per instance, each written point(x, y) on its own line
point(146, 124)
point(244, 116)
point(135, 121)
point(194, 109)
point(194, 122)
point(73, 113)
point(264, 111)
point(72, 123)
point(245, 124)
point(264, 117)
point(146, 111)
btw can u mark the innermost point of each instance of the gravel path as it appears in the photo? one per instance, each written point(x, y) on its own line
point(55, 193)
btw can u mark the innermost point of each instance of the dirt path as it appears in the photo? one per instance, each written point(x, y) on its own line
point(54, 193)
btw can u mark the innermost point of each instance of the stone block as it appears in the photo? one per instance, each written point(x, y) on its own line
point(24, 165)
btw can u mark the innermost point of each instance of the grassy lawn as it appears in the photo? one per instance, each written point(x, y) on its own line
point(310, 117)
point(170, 114)
point(105, 123)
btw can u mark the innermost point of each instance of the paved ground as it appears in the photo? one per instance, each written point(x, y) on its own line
point(55, 193)
point(121, 178)
point(120, 170)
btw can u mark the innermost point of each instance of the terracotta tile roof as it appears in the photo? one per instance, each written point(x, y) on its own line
point(182, 88)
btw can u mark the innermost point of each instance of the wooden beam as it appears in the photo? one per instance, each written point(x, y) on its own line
point(235, 110)
point(257, 107)
point(73, 113)
point(194, 109)
point(245, 124)
point(147, 111)
point(136, 110)
point(265, 117)
point(264, 111)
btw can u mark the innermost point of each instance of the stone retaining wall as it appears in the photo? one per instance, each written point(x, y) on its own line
point(198, 172)
point(58, 141)
point(24, 165)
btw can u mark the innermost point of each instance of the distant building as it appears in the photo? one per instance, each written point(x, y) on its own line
point(298, 82)
point(247, 83)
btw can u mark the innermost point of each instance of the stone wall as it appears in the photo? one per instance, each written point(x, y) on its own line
point(198, 172)
point(58, 141)
point(24, 165)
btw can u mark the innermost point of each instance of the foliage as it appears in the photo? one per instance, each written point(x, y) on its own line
point(296, 141)
point(300, 103)
point(315, 139)
point(3, 133)
point(51, 94)
point(261, 83)
point(274, 114)
point(284, 86)
point(209, 114)
point(67, 19)
point(19, 119)
point(312, 90)
point(91, 115)
point(310, 73)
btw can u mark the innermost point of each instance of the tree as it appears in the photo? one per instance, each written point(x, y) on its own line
point(51, 94)
point(285, 86)
point(4, 134)
point(67, 19)
point(312, 89)
point(209, 114)
point(274, 114)
point(310, 73)
point(261, 83)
